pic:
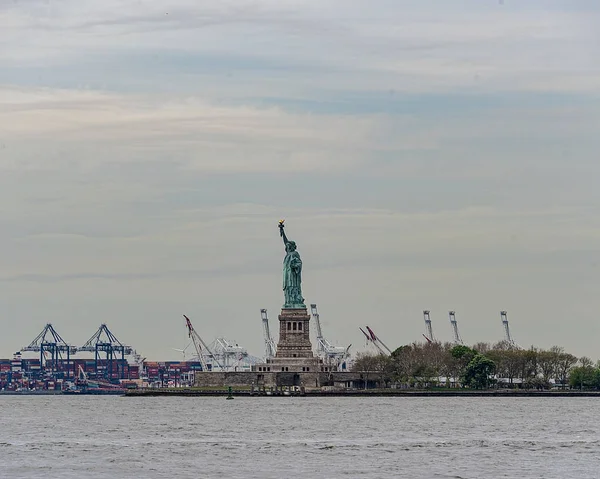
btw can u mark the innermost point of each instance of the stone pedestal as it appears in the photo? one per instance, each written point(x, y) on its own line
point(294, 350)
point(294, 334)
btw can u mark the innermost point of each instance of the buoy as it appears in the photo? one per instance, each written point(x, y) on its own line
point(229, 396)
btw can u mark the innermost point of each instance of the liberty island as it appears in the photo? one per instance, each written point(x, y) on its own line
point(294, 363)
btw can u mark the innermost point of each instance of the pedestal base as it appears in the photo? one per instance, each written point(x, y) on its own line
point(293, 365)
point(294, 351)
point(294, 334)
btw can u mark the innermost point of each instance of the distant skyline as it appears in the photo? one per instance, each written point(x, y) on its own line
point(425, 155)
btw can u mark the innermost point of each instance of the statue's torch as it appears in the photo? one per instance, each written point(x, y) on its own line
point(281, 227)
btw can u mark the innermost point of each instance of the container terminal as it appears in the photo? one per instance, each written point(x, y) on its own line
point(105, 364)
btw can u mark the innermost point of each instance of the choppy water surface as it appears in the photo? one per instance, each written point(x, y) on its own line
point(115, 437)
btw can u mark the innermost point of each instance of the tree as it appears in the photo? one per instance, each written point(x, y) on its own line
point(421, 364)
point(462, 355)
point(482, 348)
point(596, 378)
point(585, 362)
point(382, 368)
point(401, 363)
point(566, 362)
point(583, 376)
point(462, 352)
point(548, 362)
point(529, 367)
point(376, 366)
point(451, 367)
point(478, 372)
point(423, 375)
point(434, 357)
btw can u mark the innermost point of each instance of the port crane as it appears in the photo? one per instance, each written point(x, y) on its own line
point(202, 349)
point(50, 343)
point(270, 346)
point(454, 324)
point(325, 349)
point(104, 341)
point(231, 355)
point(507, 337)
point(429, 336)
point(374, 339)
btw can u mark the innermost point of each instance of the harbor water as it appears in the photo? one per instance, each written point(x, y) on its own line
point(288, 437)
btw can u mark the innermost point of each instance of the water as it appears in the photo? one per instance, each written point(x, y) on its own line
point(285, 437)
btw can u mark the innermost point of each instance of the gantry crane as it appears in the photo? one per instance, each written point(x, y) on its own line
point(104, 341)
point(270, 346)
point(325, 349)
point(49, 342)
point(202, 349)
point(454, 324)
point(321, 346)
point(429, 336)
point(507, 337)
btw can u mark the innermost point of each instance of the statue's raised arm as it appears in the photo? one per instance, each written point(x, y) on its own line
point(282, 232)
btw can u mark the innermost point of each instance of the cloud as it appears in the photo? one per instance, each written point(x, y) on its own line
point(189, 131)
point(342, 45)
point(70, 127)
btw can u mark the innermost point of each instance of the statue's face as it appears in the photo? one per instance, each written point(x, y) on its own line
point(291, 246)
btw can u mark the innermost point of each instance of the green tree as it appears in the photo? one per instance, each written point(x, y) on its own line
point(462, 356)
point(478, 372)
point(463, 352)
point(584, 376)
point(596, 378)
point(424, 375)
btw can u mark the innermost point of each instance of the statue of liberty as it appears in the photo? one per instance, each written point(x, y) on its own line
point(292, 273)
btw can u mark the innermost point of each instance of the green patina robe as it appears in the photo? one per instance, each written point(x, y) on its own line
point(292, 279)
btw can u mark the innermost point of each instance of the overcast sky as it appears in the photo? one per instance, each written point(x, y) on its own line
point(437, 155)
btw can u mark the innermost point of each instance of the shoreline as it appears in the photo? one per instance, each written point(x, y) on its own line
point(309, 393)
point(359, 393)
point(55, 392)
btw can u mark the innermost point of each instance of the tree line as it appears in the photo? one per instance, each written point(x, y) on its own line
point(482, 366)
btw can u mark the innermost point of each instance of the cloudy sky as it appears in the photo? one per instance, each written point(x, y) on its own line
point(425, 154)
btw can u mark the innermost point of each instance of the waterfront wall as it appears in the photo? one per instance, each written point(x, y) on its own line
point(307, 380)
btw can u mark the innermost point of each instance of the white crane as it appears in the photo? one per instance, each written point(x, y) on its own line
point(202, 349)
point(321, 345)
point(325, 349)
point(270, 346)
point(457, 338)
point(508, 338)
point(429, 337)
point(232, 356)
